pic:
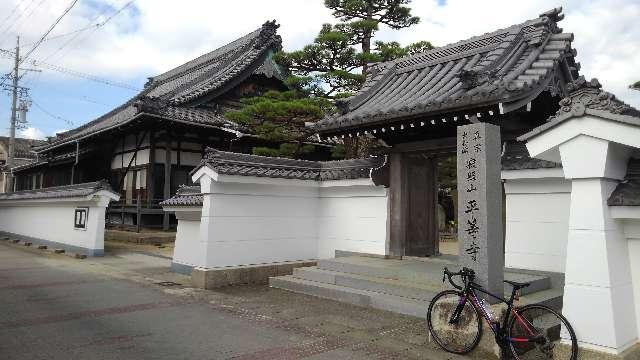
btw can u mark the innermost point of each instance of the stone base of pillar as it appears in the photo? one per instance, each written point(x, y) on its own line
point(561, 352)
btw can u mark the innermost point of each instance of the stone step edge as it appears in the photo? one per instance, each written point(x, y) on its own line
point(384, 281)
point(324, 264)
point(409, 286)
point(364, 298)
point(386, 302)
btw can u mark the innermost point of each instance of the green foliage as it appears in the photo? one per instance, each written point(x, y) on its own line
point(326, 65)
point(362, 18)
point(281, 117)
point(324, 71)
point(338, 152)
point(636, 85)
point(392, 13)
point(286, 150)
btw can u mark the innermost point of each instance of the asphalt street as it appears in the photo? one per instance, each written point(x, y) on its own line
point(117, 307)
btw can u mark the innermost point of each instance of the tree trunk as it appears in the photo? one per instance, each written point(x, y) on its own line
point(366, 50)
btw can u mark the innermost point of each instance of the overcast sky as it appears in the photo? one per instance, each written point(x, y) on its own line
point(152, 36)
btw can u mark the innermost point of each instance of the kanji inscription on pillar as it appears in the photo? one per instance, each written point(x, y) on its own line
point(480, 238)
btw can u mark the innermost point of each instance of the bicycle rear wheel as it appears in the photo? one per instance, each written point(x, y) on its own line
point(458, 338)
point(536, 331)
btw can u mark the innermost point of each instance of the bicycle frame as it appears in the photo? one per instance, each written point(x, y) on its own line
point(499, 330)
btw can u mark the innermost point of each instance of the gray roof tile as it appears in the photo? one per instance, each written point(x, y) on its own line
point(57, 192)
point(168, 94)
point(228, 163)
point(587, 97)
point(627, 193)
point(503, 66)
point(185, 196)
point(516, 157)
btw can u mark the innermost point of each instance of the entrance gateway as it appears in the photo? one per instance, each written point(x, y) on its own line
point(513, 78)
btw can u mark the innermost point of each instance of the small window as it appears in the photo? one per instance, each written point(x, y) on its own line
point(80, 218)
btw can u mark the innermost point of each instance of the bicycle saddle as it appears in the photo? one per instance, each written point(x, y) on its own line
point(517, 285)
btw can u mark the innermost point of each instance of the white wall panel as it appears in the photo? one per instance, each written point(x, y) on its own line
point(537, 223)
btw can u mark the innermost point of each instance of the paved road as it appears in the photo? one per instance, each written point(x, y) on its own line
point(56, 307)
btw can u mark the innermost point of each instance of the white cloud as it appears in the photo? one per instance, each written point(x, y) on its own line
point(162, 34)
point(31, 133)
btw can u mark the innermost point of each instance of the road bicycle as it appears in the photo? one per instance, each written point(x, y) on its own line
point(527, 332)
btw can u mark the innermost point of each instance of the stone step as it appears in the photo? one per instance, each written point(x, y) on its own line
point(344, 294)
point(416, 272)
point(382, 301)
point(399, 288)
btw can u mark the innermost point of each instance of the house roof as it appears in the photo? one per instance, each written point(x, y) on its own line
point(229, 163)
point(587, 97)
point(509, 66)
point(171, 94)
point(516, 157)
point(58, 192)
point(627, 193)
point(185, 196)
point(22, 147)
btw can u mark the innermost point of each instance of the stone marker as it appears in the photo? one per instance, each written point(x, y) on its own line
point(480, 229)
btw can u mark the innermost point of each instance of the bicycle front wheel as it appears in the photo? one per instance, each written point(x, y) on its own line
point(536, 332)
point(461, 336)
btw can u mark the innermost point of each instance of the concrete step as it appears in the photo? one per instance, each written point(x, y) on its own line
point(382, 301)
point(358, 297)
point(414, 272)
point(412, 290)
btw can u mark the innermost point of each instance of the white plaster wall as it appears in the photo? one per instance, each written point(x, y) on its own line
point(249, 220)
point(188, 248)
point(537, 223)
point(53, 221)
point(632, 234)
point(353, 218)
point(259, 223)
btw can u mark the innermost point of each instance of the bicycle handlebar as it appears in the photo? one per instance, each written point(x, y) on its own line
point(465, 273)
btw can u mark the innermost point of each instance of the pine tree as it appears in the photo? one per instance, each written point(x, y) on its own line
point(636, 85)
point(363, 18)
point(323, 71)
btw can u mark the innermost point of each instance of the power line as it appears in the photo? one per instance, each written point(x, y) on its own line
point(73, 3)
point(67, 121)
point(15, 21)
point(71, 72)
point(95, 28)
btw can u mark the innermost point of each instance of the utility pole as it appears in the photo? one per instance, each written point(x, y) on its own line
point(14, 109)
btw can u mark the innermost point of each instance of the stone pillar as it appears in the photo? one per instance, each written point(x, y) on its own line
point(598, 293)
point(480, 230)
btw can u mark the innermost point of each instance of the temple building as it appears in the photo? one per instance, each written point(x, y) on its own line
point(23, 155)
point(512, 77)
point(147, 146)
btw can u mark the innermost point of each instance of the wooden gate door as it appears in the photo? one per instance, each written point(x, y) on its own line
point(421, 205)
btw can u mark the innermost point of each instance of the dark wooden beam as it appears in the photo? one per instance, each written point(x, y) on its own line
point(397, 231)
point(167, 178)
point(131, 161)
point(151, 168)
point(443, 144)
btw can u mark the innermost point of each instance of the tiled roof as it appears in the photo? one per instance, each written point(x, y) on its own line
point(57, 192)
point(627, 193)
point(185, 196)
point(22, 147)
point(516, 157)
point(211, 71)
point(505, 66)
point(228, 163)
point(168, 94)
point(587, 97)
